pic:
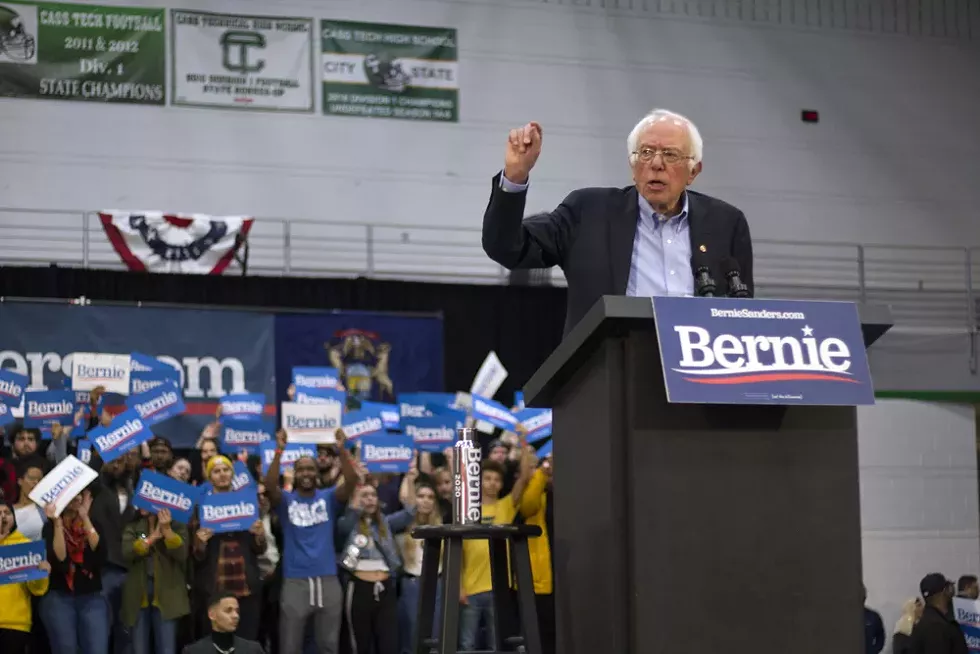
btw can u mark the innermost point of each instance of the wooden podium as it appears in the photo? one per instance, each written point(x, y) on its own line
point(689, 529)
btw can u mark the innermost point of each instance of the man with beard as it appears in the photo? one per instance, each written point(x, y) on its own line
point(310, 589)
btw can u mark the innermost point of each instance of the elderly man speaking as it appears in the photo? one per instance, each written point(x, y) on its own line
point(639, 240)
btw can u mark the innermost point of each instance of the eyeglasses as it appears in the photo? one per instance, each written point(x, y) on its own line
point(646, 155)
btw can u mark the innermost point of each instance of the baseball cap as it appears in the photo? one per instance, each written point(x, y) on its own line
point(933, 584)
point(497, 442)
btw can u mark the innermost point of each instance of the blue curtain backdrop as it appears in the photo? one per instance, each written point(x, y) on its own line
point(217, 351)
point(373, 349)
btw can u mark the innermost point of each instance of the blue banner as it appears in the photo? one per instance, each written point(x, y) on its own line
point(387, 452)
point(155, 491)
point(12, 387)
point(378, 355)
point(155, 406)
point(389, 413)
point(18, 563)
point(726, 351)
point(126, 431)
point(415, 405)
point(214, 352)
point(493, 412)
point(248, 435)
point(310, 395)
point(45, 408)
point(143, 382)
point(537, 422)
point(6, 415)
point(225, 512)
point(358, 424)
point(243, 406)
point(434, 433)
point(316, 377)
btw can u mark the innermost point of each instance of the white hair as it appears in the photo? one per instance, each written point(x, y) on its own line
point(657, 115)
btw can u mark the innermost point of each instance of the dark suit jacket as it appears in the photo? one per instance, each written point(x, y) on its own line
point(206, 646)
point(590, 235)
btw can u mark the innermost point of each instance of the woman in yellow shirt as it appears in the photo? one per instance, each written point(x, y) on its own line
point(15, 599)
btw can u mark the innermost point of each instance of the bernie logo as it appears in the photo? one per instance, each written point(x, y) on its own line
point(378, 453)
point(166, 498)
point(751, 359)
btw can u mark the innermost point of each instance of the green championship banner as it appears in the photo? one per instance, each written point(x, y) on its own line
point(390, 71)
point(236, 61)
point(82, 52)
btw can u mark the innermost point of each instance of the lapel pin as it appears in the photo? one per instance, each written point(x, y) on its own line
point(702, 248)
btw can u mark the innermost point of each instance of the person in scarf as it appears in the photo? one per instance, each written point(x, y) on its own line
point(73, 611)
point(228, 562)
point(15, 599)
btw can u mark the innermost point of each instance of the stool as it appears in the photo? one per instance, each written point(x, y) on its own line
point(449, 539)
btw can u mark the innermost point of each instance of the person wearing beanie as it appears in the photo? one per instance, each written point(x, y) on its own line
point(15, 599)
point(228, 562)
point(937, 632)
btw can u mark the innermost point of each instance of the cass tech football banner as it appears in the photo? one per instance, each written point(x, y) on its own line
point(725, 351)
point(242, 62)
point(377, 355)
point(212, 353)
point(163, 243)
point(390, 71)
point(84, 52)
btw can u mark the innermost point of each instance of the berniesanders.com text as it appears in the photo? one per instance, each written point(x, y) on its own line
point(758, 313)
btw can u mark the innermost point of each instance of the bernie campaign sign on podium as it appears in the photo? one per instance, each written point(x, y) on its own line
point(733, 351)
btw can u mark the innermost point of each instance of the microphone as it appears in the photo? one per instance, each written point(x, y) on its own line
point(736, 288)
point(704, 285)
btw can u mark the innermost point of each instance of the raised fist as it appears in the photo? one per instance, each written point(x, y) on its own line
point(523, 150)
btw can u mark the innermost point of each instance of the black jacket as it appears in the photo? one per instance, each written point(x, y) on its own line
point(110, 520)
point(590, 236)
point(937, 633)
point(206, 646)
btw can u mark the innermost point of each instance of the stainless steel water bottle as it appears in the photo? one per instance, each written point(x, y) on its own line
point(467, 479)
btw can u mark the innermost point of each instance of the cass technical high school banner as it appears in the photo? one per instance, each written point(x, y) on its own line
point(82, 52)
point(215, 352)
point(390, 71)
point(378, 355)
point(244, 62)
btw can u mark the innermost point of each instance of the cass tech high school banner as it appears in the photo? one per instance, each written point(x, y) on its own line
point(390, 71)
point(242, 62)
point(162, 243)
point(211, 353)
point(82, 52)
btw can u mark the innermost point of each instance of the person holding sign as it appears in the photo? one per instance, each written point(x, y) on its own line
point(228, 562)
point(15, 598)
point(155, 592)
point(310, 589)
point(74, 611)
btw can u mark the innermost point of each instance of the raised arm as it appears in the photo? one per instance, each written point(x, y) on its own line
point(539, 241)
point(347, 468)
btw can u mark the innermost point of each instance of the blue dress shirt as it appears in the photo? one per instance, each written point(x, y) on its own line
point(661, 263)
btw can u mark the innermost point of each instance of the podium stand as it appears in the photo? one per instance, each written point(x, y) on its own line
point(687, 528)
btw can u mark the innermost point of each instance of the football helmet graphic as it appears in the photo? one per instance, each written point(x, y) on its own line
point(15, 42)
point(386, 73)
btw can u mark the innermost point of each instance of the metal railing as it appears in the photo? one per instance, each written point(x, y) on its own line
point(926, 287)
